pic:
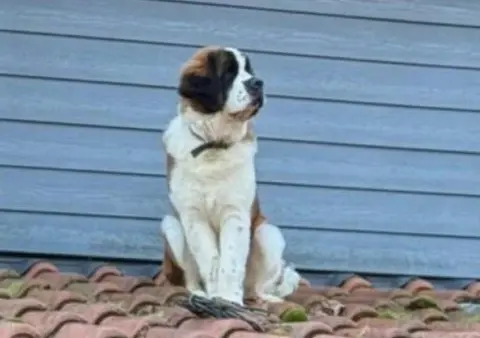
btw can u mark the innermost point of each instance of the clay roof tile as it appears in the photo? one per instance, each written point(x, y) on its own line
point(45, 302)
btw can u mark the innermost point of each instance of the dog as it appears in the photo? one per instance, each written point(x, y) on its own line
point(210, 148)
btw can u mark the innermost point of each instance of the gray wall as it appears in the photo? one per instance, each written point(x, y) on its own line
point(369, 144)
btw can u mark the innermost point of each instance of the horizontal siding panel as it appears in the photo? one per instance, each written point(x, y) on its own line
point(80, 235)
point(173, 22)
point(145, 197)
point(307, 120)
point(458, 12)
point(380, 253)
point(156, 65)
point(86, 103)
point(311, 249)
point(140, 152)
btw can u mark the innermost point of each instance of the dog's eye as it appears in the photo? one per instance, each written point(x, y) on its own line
point(231, 69)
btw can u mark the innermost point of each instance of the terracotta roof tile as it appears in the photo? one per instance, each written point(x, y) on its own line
point(474, 289)
point(416, 285)
point(17, 330)
point(44, 301)
point(56, 299)
point(355, 283)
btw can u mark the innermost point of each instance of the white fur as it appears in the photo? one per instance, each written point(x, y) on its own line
point(275, 280)
point(238, 99)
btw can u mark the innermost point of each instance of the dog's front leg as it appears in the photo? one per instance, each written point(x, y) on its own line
point(202, 243)
point(176, 241)
point(234, 248)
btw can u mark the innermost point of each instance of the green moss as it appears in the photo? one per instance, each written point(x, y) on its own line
point(296, 314)
point(15, 288)
point(5, 283)
point(389, 313)
point(422, 302)
point(386, 314)
point(4, 294)
point(11, 288)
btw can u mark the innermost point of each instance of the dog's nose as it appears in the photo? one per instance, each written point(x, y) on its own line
point(253, 85)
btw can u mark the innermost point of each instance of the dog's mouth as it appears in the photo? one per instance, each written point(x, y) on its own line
point(252, 109)
point(257, 101)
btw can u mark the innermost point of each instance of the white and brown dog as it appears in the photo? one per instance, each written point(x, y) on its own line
point(218, 241)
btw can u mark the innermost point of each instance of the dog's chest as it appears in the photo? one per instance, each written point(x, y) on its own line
point(215, 179)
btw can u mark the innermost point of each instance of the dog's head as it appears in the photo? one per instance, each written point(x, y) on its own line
point(219, 79)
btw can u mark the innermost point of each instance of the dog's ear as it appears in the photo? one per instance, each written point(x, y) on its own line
point(205, 91)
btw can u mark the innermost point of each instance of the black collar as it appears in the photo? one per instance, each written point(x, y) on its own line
point(209, 145)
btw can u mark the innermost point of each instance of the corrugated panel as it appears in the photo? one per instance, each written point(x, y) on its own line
point(369, 153)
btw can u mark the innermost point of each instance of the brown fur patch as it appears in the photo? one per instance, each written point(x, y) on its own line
point(197, 64)
point(200, 66)
point(257, 218)
point(172, 273)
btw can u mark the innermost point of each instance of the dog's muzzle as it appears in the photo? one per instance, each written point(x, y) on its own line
point(254, 87)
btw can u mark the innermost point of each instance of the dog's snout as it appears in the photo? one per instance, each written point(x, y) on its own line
point(257, 83)
point(254, 85)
